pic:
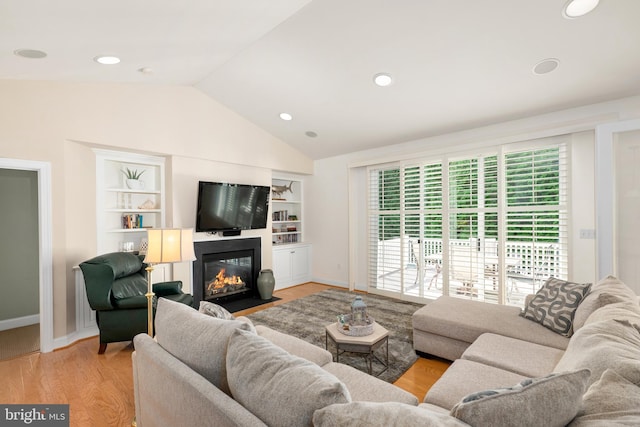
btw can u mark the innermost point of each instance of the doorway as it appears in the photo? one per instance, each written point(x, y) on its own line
point(26, 249)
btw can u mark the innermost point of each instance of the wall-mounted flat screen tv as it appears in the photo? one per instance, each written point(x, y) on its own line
point(224, 207)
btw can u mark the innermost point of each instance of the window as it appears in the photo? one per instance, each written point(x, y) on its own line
point(505, 230)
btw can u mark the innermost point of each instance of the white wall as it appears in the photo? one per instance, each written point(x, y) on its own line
point(331, 196)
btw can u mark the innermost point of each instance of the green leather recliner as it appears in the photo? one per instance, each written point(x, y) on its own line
point(116, 285)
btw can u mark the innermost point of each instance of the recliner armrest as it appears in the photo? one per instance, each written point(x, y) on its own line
point(167, 288)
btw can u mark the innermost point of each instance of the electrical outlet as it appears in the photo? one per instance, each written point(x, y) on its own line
point(587, 233)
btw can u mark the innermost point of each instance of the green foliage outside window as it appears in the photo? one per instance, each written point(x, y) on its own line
point(532, 178)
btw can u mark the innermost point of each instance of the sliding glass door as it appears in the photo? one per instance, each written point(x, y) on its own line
point(491, 226)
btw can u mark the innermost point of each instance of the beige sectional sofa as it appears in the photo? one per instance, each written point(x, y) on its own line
point(206, 371)
point(508, 370)
point(494, 347)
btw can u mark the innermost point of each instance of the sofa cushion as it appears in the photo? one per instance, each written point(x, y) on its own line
point(465, 377)
point(619, 311)
point(296, 346)
point(607, 291)
point(197, 340)
point(555, 304)
point(364, 387)
point(279, 388)
point(518, 356)
point(215, 310)
point(371, 414)
point(553, 400)
point(474, 318)
point(611, 399)
point(601, 345)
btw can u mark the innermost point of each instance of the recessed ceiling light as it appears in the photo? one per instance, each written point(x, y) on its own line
point(30, 53)
point(311, 134)
point(546, 66)
point(107, 60)
point(577, 8)
point(286, 116)
point(382, 79)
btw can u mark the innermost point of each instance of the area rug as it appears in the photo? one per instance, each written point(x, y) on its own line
point(307, 317)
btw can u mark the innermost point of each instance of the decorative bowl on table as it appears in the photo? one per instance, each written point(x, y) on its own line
point(346, 326)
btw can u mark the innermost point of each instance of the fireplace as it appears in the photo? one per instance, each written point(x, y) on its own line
point(226, 270)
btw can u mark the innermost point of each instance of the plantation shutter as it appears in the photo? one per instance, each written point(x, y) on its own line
point(385, 252)
point(536, 203)
point(505, 218)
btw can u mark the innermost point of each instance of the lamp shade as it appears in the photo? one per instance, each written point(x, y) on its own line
point(169, 245)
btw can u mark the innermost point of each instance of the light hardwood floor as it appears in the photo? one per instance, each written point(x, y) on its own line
point(99, 388)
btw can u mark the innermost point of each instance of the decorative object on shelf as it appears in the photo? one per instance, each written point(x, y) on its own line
point(346, 326)
point(144, 244)
point(165, 245)
point(278, 190)
point(266, 283)
point(133, 179)
point(358, 312)
point(148, 204)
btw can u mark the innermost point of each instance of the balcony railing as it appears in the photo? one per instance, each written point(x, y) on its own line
point(529, 265)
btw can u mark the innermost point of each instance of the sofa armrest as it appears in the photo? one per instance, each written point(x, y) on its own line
point(169, 393)
point(167, 288)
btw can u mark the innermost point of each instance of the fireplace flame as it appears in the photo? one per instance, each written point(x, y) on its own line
point(222, 281)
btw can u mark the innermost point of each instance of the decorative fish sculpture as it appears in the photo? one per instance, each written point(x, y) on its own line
point(277, 190)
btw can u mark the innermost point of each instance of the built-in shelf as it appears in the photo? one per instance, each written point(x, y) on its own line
point(119, 206)
point(286, 211)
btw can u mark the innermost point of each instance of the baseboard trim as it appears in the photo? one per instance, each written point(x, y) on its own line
point(73, 337)
point(19, 322)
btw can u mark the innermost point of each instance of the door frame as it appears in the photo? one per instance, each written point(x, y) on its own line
point(43, 170)
point(605, 194)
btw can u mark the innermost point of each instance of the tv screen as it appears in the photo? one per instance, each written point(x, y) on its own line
point(223, 206)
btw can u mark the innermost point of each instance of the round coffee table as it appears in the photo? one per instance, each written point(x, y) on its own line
point(366, 345)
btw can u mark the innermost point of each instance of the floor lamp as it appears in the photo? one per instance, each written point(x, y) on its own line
point(165, 245)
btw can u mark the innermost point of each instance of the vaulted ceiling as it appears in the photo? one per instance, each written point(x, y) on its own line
point(455, 64)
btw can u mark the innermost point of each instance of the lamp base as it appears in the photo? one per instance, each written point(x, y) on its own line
point(149, 296)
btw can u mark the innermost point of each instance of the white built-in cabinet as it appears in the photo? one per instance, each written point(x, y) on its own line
point(291, 255)
point(291, 264)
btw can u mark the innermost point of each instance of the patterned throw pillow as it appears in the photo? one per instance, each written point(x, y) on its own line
point(549, 401)
point(555, 304)
point(214, 310)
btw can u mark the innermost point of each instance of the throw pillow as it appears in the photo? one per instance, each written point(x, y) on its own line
point(197, 340)
point(215, 310)
point(619, 311)
point(555, 304)
point(368, 414)
point(602, 345)
point(277, 387)
point(553, 400)
point(611, 399)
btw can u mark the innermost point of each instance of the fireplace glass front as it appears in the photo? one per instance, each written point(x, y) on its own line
point(227, 273)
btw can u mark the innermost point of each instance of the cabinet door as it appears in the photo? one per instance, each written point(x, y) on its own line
point(282, 268)
point(300, 270)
